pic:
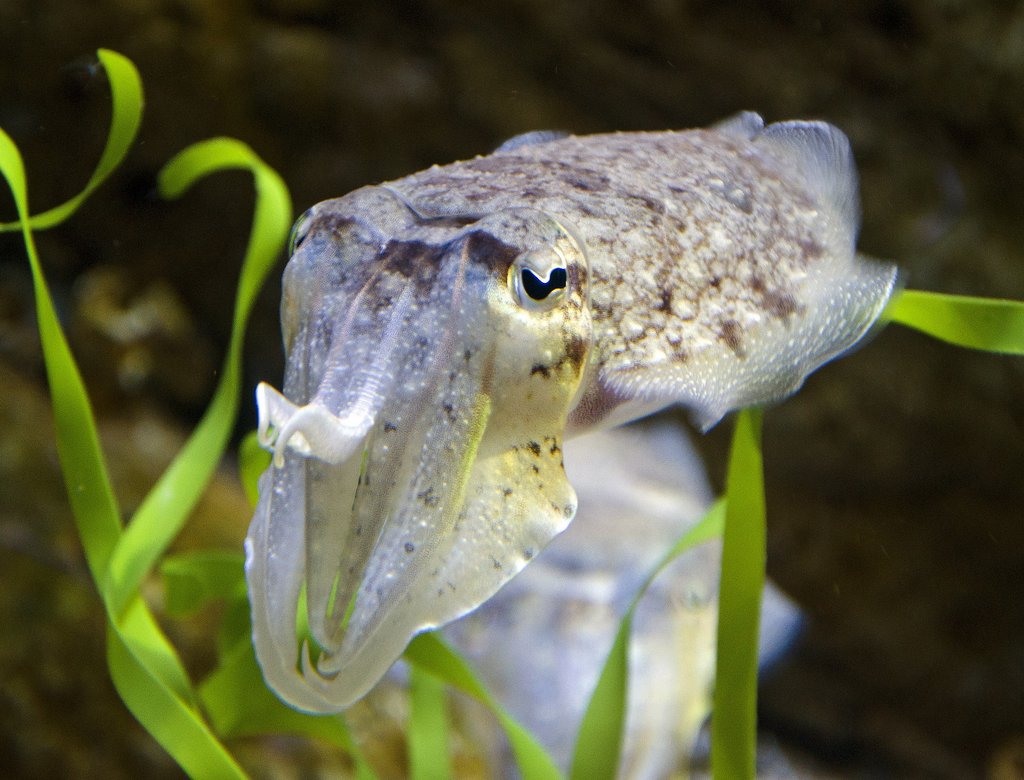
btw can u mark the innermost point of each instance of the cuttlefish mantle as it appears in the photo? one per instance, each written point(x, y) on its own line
point(445, 332)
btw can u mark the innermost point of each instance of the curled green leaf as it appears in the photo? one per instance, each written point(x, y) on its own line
point(127, 101)
point(144, 666)
point(167, 506)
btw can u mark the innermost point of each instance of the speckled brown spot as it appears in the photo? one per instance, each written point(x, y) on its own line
point(449, 220)
point(649, 204)
point(810, 250)
point(778, 304)
point(664, 300)
point(428, 497)
point(577, 276)
point(576, 350)
point(588, 181)
point(336, 225)
point(730, 334)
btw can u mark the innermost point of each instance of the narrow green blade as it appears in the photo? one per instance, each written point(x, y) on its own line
point(85, 472)
point(430, 653)
point(734, 714)
point(194, 579)
point(428, 727)
point(988, 324)
point(252, 462)
point(146, 670)
point(141, 661)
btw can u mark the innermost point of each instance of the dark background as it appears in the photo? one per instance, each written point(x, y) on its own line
point(894, 477)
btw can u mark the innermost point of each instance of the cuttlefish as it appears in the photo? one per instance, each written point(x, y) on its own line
point(446, 332)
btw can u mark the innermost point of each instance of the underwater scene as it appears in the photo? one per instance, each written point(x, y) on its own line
point(572, 390)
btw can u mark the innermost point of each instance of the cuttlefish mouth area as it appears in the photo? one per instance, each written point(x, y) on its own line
point(417, 465)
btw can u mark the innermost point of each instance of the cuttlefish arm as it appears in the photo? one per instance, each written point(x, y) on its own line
point(417, 456)
point(444, 332)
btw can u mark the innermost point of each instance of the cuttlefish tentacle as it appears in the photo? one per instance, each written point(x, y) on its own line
point(445, 331)
point(315, 429)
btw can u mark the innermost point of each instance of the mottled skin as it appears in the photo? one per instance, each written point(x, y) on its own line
point(696, 241)
point(446, 330)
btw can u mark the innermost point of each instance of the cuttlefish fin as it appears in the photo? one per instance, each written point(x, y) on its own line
point(746, 125)
point(531, 138)
point(822, 154)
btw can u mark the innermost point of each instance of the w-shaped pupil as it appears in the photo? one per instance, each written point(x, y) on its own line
point(538, 289)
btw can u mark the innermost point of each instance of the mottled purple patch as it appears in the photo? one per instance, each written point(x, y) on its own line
point(588, 181)
point(491, 252)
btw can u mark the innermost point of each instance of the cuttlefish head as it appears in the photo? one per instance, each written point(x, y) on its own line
point(431, 365)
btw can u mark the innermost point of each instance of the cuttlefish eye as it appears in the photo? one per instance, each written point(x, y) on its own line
point(538, 279)
point(299, 231)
